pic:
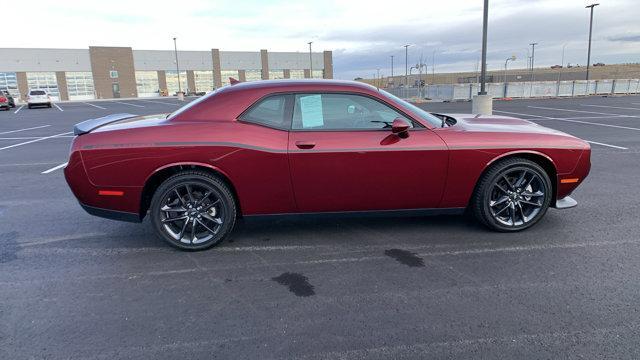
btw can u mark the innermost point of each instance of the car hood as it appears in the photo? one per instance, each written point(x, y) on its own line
point(497, 123)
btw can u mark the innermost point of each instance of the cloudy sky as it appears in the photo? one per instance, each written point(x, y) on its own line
point(362, 34)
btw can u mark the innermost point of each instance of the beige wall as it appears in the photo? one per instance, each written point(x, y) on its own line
point(23, 86)
point(62, 85)
point(328, 65)
point(264, 59)
point(217, 75)
point(191, 81)
point(103, 60)
point(162, 80)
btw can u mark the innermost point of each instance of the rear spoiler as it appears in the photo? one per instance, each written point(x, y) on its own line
point(92, 124)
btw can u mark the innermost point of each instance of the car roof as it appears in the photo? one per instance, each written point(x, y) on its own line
point(297, 83)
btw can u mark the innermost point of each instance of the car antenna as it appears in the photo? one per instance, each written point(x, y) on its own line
point(233, 81)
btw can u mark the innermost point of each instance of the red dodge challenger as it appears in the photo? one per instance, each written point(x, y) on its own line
point(316, 146)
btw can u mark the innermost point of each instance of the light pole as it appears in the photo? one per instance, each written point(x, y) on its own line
point(483, 64)
point(511, 58)
point(561, 63)
point(590, 30)
point(533, 57)
point(406, 65)
point(392, 79)
point(310, 61)
point(175, 48)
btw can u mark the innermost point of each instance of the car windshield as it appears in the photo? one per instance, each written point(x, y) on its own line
point(37, 92)
point(430, 118)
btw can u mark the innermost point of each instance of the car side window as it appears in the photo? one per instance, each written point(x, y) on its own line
point(270, 111)
point(330, 111)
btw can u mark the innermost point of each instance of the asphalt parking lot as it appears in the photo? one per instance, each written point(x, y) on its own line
point(77, 286)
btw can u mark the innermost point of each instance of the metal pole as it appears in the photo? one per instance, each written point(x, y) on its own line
point(561, 63)
point(590, 31)
point(406, 65)
point(483, 71)
point(392, 79)
point(533, 57)
point(310, 61)
point(175, 48)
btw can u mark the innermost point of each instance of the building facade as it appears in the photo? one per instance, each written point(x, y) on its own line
point(102, 72)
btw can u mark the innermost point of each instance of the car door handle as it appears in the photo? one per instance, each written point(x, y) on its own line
point(305, 144)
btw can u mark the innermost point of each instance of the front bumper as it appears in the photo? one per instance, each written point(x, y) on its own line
point(565, 203)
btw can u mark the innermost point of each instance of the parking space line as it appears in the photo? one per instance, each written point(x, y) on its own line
point(160, 102)
point(31, 137)
point(35, 140)
point(31, 128)
point(607, 145)
point(56, 105)
point(20, 108)
point(124, 103)
point(96, 106)
point(581, 111)
point(568, 120)
point(612, 107)
point(54, 168)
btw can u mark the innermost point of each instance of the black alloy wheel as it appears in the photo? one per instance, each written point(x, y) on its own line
point(513, 195)
point(193, 210)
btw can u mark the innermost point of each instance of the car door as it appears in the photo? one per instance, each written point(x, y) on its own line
point(344, 157)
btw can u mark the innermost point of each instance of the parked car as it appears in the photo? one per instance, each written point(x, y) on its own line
point(598, 64)
point(9, 97)
point(6, 101)
point(38, 97)
point(556, 66)
point(317, 146)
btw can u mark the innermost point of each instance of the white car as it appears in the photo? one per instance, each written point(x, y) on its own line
point(38, 97)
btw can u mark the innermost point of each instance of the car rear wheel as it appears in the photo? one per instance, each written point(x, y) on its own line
point(513, 195)
point(193, 210)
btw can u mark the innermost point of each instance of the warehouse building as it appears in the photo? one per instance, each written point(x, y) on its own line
point(112, 72)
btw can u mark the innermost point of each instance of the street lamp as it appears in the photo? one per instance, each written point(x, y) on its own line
point(310, 61)
point(392, 79)
point(406, 65)
point(590, 30)
point(511, 58)
point(561, 63)
point(483, 64)
point(533, 57)
point(175, 48)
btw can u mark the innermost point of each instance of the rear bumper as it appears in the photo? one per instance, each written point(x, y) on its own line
point(565, 203)
point(112, 214)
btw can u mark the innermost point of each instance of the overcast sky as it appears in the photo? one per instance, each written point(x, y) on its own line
point(362, 34)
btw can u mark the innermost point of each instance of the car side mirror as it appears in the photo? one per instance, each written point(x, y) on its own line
point(400, 126)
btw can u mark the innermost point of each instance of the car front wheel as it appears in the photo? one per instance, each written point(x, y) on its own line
point(512, 195)
point(193, 210)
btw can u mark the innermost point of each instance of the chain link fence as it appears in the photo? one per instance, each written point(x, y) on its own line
point(531, 89)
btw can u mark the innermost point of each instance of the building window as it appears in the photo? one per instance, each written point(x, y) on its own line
point(276, 74)
point(253, 75)
point(80, 85)
point(113, 74)
point(147, 83)
point(203, 80)
point(8, 82)
point(44, 81)
point(296, 74)
point(172, 81)
point(226, 74)
point(318, 74)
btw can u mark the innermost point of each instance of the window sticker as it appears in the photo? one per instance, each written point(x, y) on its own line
point(311, 111)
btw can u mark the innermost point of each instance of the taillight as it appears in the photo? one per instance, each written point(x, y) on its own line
point(3, 99)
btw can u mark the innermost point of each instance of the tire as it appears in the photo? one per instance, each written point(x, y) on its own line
point(49, 105)
point(527, 198)
point(181, 198)
point(29, 106)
